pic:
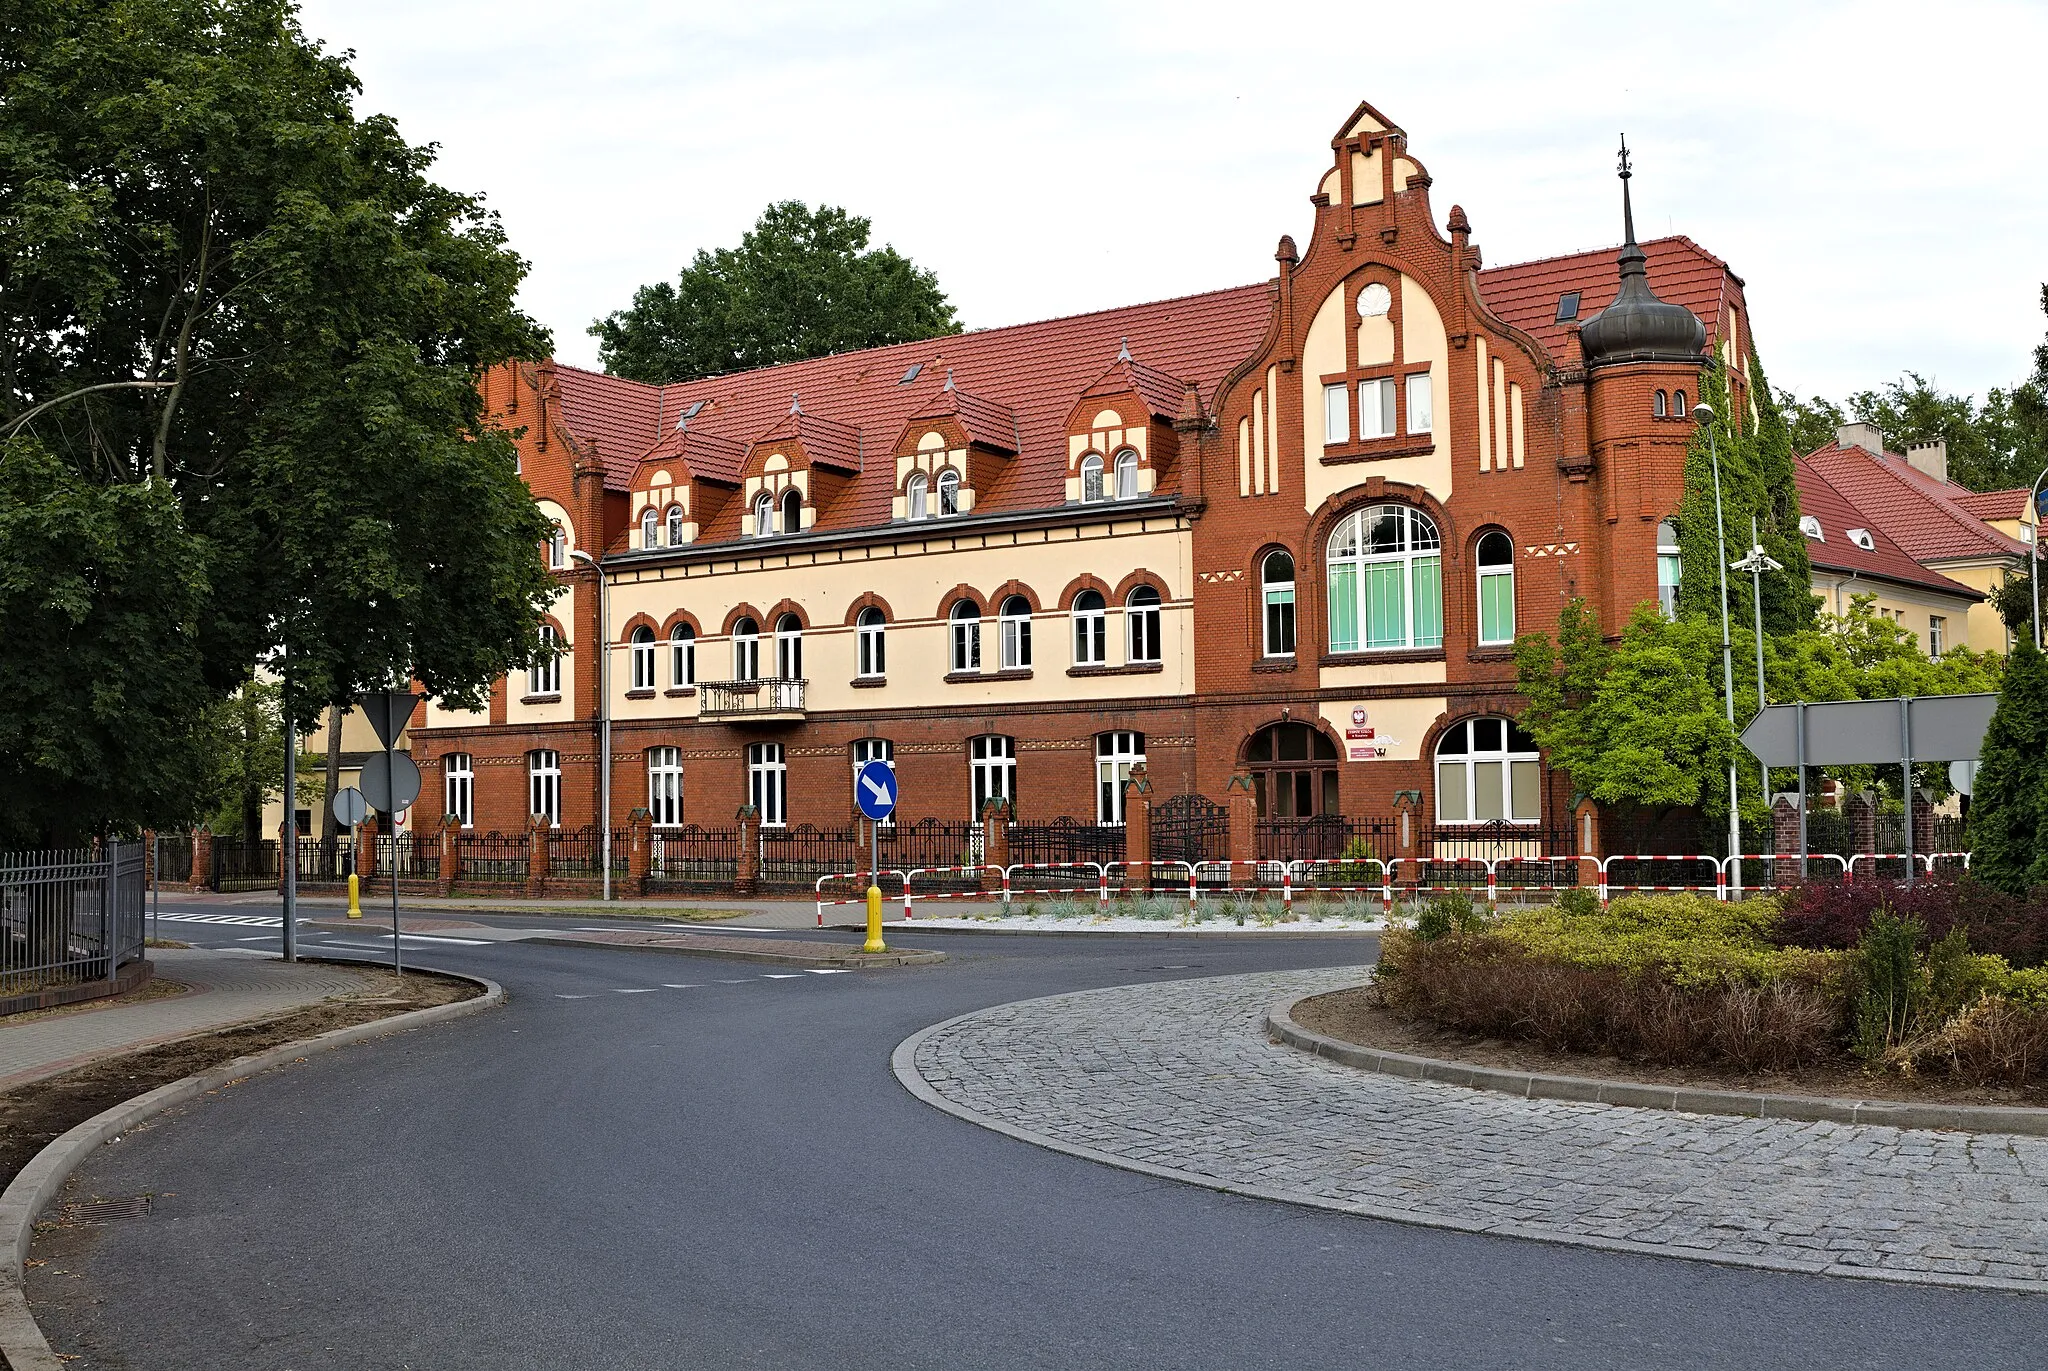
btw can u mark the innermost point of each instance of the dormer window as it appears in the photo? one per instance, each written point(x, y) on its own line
point(792, 511)
point(650, 524)
point(764, 515)
point(914, 502)
point(949, 492)
point(1810, 526)
point(1861, 538)
point(675, 525)
point(1091, 479)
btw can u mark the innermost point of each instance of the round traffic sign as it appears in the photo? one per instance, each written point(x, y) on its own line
point(874, 789)
point(349, 807)
point(391, 788)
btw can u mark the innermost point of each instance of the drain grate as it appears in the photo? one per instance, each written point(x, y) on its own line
point(107, 1211)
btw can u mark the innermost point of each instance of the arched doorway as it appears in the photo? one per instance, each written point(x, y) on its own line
point(1294, 771)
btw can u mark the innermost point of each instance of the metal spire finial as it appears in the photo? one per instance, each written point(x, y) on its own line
point(1628, 213)
point(949, 378)
point(1123, 352)
point(795, 405)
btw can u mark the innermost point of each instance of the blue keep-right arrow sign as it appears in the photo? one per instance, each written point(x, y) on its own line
point(874, 790)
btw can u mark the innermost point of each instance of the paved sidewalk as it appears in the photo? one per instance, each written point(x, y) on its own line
point(227, 987)
point(1179, 1079)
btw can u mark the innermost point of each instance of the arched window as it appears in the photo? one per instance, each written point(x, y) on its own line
point(1657, 405)
point(764, 514)
point(1486, 772)
point(1276, 581)
point(789, 648)
point(544, 785)
point(746, 651)
point(993, 760)
point(1678, 409)
point(675, 525)
point(871, 631)
point(682, 653)
point(1141, 625)
point(1667, 568)
point(1294, 771)
point(1496, 588)
point(1386, 581)
point(544, 677)
point(964, 621)
point(1091, 629)
point(792, 511)
point(665, 785)
point(650, 528)
point(914, 496)
point(1091, 478)
point(558, 547)
point(1115, 754)
point(642, 653)
point(1127, 475)
point(949, 492)
point(1015, 623)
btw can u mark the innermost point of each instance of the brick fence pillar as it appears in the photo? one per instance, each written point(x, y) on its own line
point(1785, 827)
point(537, 829)
point(1241, 811)
point(639, 851)
point(366, 849)
point(1586, 840)
point(1138, 829)
point(1407, 838)
point(1862, 812)
point(1922, 810)
point(995, 841)
point(747, 870)
point(148, 858)
point(202, 858)
point(450, 870)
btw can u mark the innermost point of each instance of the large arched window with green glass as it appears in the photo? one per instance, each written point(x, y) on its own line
point(1496, 554)
point(1386, 581)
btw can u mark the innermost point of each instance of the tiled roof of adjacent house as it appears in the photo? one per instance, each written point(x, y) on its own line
point(1526, 294)
point(1995, 504)
point(1836, 513)
point(1924, 516)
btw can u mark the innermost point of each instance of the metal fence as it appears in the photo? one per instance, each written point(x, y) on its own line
point(174, 858)
point(692, 858)
point(796, 857)
point(1324, 837)
point(323, 862)
point(1190, 828)
point(414, 857)
point(493, 858)
point(1066, 840)
point(71, 916)
point(245, 864)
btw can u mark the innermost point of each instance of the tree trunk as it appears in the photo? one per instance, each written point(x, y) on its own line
point(330, 828)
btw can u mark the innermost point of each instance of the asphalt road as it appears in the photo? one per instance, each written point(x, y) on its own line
point(727, 1175)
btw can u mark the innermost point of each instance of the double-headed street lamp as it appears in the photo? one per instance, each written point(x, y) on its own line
point(1704, 416)
point(1756, 564)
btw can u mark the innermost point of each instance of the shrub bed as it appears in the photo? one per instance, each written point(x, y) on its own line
point(1683, 979)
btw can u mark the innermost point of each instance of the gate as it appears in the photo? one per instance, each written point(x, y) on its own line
point(1191, 829)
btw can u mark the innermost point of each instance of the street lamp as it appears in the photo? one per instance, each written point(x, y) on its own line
point(1704, 416)
point(604, 722)
point(1756, 564)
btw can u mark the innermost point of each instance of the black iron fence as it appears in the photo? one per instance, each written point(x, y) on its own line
point(794, 858)
point(692, 858)
point(69, 916)
point(412, 856)
point(323, 862)
point(174, 858)
point(245, 864)
point(1066, 840)
point(1325, 838)
point(1190, 828)
point(492, 858)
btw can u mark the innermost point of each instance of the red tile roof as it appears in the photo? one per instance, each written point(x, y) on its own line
point(1922, 515)
point(1995, 504)
point(1036, 372)
point(1819, 499)
point(1525, 294)
point(986, 422)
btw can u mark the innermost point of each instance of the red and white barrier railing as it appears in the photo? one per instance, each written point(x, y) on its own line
point(1100, 889)
point(974, 868)
point(818, 889)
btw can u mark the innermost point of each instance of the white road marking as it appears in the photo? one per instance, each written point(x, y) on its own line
point(560, 996)
point(726, 928)
point(782, 975)
point(637, 990)
point(444, 938)
point(829, 970)
point(256, 938)
point(671, 985)
point(243, 920)
point(748, 981)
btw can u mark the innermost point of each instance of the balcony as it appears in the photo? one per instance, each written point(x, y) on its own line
point(774, 700)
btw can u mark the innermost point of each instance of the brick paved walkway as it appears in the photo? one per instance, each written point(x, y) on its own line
point(227, 987)
point(1178, 1079)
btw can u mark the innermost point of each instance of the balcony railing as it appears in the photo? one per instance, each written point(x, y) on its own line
point(766, 700)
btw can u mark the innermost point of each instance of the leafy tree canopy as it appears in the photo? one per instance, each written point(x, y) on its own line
point(802, 283)
point(252, 319)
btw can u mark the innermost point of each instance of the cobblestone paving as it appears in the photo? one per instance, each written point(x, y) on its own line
point(1179, 1078)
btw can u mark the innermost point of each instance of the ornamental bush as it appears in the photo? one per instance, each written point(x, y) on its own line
point(1832, 914)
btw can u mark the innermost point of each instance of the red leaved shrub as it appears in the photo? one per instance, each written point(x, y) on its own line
point(1834, 914)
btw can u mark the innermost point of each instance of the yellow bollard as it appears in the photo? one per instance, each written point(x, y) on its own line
point(355, 898)
point(874, 942)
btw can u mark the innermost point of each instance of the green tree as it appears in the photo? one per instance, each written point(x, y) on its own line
point(2009, 804)
point(218, 283)
point(1811, 423)
point(802, 283)
point(1989, 448)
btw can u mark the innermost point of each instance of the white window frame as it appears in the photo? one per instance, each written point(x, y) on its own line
point(682, 663)
point(544, 785)
point(1276, 599)
point(665, 786)
point(1419, 554)
point(992, 771)
point(789, 648)
point(1668, 563)
point(915, 503)
point(1127, 475)
point(458, 772)
point(963, 637)
point(764, 515)
point(871, 637)
point(867, 750)
point(791, 506)
point(1336, 414)
point(558, 548)
point(1937, 635)
point(1376, 416)
point(746, 651)
point(1421, 403)
point(1144, 618)
point(1116, 752)
point(1491, 573)
point(768, 783)
point(650, 528)
point(675, 525)
point(948, 486)
point(640, 651)
point(1014, 620)
point(1091, 479)
point(1470, 768)
point(544, 677)
point(1091, 629)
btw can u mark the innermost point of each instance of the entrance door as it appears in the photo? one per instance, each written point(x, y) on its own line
point(1294, 772)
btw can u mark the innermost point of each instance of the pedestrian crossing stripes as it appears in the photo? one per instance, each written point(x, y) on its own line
point(238, 920)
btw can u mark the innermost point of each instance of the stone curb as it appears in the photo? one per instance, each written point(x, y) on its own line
point(22, 1344)
point(903, 1061)
point(908, 957)
point(1164, 931)
point(1530, 1085)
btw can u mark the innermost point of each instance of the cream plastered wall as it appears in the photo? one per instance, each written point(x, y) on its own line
point(931, 458)
point(1987, 632)
point(1399, 725)
point(913, 582)
point(550, 510)
point(1914, 605)
point(662, 491)
point(1422, 340)
point(562, 709)
point(776, 477)
point(1107, 435)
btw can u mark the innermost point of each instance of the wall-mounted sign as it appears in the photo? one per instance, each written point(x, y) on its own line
point(1362, 741)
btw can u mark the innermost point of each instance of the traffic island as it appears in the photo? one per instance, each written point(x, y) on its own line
point(776, 952)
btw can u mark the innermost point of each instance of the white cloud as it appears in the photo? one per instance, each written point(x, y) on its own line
point(1871, 169)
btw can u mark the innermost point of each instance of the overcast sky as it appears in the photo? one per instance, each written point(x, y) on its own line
point(1876, 172)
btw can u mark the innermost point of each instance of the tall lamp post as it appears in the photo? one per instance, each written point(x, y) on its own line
point(1756, 564)
point(1703, 415)
point(2034, 552)
point(604, 722)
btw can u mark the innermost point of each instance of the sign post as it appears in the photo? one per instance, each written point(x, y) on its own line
point(874, 791)
point(391, 780)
